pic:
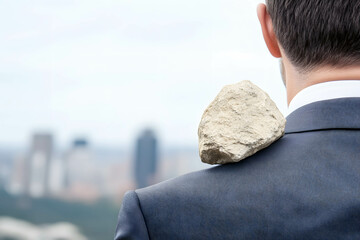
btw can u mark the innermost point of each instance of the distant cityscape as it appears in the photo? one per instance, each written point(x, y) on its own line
point(84, 173)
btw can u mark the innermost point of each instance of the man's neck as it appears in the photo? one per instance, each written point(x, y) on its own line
point(297, 81)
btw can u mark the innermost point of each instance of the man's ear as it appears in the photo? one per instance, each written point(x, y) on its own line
point(268, 31)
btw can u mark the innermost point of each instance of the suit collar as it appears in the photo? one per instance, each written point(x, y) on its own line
point(342, 113)
point(325, 91)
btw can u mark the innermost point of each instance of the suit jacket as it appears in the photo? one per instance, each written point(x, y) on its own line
point(304, 186)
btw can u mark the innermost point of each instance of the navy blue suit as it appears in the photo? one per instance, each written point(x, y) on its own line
point(304, 186)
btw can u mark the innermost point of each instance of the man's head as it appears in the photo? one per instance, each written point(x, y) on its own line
point(312, 34)
point(317, 32)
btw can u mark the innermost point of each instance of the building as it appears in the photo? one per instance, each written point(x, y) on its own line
point(76, 158)
point(83, 176)
point(146, 158)
point(38, 162)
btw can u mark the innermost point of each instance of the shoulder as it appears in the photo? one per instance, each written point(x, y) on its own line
point(209, 181)
point(131, 223)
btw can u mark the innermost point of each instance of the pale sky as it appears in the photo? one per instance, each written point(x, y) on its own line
point(106, 69)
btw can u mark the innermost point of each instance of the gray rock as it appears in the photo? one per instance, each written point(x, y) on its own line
point(240, 121)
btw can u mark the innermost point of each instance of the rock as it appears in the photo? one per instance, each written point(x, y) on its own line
point(240, 121)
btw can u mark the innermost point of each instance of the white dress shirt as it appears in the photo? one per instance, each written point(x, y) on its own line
point(325, 91)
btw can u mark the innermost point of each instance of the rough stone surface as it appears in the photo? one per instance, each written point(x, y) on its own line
point(239, 122)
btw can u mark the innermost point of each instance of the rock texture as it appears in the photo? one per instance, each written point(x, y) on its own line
point(239, 122)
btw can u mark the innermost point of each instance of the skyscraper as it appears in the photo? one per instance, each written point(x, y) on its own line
point(146, 158)
point(76, 159)
point(84, 179)
point(38, 165)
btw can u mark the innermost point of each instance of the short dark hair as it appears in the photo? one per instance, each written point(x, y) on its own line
point(317, 32)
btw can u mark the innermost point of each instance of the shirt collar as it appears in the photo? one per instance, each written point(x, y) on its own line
point(325, 91)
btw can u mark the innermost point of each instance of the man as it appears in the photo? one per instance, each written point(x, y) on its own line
point(304, 186)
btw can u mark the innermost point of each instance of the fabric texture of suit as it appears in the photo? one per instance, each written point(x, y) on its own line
point(304, 186)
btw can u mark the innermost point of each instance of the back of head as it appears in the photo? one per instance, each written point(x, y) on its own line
point(317, 33)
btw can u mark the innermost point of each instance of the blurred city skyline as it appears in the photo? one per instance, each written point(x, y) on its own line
point(107, 69)
point(86, 173)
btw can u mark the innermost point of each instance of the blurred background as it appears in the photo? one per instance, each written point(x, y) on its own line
point(100, 97)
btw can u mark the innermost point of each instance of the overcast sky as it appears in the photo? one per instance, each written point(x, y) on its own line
point(106, 69)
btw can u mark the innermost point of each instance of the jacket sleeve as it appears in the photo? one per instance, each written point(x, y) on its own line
point(131, 223)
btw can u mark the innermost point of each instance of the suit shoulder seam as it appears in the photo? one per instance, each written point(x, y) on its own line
point(142, 213)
